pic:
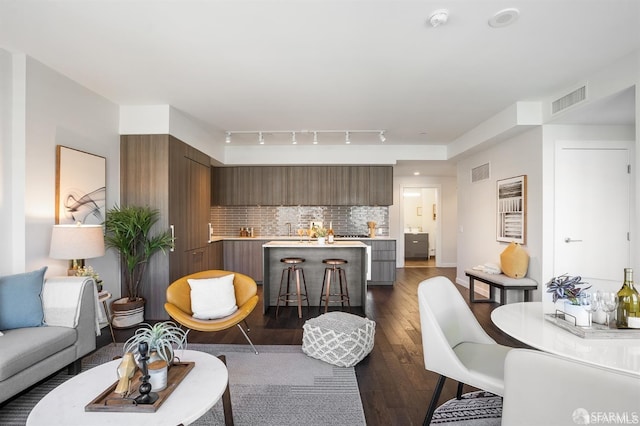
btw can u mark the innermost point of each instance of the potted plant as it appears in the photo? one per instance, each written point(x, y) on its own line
point(566, 293)
point(321, 233)
point(163, 338)
point(128, 231)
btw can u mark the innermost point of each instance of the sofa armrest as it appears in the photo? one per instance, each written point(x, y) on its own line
point(71, 302)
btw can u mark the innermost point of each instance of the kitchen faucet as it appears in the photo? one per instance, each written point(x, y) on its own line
point(288, 229)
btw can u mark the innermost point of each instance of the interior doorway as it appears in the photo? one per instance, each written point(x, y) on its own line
point(420, 224)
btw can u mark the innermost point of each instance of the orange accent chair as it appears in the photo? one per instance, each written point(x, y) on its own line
point(178, 304)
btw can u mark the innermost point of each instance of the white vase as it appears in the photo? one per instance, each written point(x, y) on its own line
point(578, 312)
point(321, 240)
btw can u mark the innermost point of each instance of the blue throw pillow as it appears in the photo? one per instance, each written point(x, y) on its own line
point(20, 301)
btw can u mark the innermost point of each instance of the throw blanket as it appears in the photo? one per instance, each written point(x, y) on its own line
point(61, 301)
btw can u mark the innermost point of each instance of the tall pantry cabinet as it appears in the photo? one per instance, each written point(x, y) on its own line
point(162, 172)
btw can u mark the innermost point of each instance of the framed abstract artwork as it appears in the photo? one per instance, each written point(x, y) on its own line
point(512, 210)
point(80, 187)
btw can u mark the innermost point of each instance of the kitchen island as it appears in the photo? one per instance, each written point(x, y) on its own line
point(354, 252)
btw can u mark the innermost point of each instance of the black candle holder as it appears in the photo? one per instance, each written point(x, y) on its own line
point(146, 396)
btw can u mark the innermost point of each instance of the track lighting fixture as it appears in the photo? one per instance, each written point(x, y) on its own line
point(313, 134)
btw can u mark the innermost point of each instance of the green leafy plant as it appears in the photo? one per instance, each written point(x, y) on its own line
point(163, 338)
point(128, 231)
point(566, 287)
point(320, 232)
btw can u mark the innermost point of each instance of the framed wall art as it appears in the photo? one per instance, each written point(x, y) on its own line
point(80, 187)
point(512, 209)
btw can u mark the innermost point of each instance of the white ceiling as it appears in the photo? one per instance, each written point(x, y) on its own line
point(324, 65)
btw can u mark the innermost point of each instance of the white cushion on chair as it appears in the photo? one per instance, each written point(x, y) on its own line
point(338, 338)
point(213, 298)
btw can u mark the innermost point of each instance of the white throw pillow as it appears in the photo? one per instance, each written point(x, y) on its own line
point(212, 298)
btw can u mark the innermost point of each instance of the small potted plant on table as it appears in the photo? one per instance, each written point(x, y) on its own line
point(566, 293)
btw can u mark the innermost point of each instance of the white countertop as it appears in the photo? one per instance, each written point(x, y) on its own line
point(314, 244)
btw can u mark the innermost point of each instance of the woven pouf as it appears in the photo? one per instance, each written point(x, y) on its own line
point(338, 338)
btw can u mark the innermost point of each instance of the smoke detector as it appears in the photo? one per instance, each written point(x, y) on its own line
point(504, 17)
point(438, 17)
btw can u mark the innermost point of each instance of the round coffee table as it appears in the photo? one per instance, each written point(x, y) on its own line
point(201, 388)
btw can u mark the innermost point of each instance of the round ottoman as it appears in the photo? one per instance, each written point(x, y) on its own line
point(338, 338)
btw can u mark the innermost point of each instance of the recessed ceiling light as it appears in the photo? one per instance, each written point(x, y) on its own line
point(416, 173)
point(438, 17)
point(504, 17)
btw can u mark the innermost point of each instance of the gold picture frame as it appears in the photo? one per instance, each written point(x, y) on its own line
point(80, 187)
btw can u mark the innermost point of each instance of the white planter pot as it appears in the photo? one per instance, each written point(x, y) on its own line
point(578, 312)
point(321, 240)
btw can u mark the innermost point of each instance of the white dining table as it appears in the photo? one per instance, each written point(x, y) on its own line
point(525, 322)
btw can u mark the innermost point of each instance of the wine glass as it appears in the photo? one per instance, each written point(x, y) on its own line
point(608, 303)
point(301, 233)
point(591, 303)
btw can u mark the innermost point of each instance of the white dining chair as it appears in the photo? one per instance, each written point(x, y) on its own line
point(454, 343)
point(545, 389)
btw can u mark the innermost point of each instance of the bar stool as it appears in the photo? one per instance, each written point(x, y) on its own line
point(292, 270)
point(334, 271)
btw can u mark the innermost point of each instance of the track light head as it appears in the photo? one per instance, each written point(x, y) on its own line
point(315, 138)
point(382, 136)
point(347, 138)
point(227, 137)
point(260, 138)
point(293, 138)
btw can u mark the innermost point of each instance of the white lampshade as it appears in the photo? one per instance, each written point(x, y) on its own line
point(76, 242)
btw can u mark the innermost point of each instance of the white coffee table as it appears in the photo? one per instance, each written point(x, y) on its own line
point(198, 392)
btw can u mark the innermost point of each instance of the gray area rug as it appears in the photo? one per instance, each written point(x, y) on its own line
point(473, 409)
point(280, 386)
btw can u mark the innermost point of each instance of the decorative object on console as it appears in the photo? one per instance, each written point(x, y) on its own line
point(76, 243)
point(87, 271)
point(514, 261)
point(372, 229)
point(128, 231)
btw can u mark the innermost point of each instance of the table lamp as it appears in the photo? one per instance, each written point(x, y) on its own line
point(76, 243)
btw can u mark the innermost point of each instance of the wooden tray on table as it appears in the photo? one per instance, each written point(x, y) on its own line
point(111, 401)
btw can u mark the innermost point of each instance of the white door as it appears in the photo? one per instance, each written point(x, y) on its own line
point(592, 203)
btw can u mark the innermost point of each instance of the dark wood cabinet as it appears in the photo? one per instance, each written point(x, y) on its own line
point(244, 256)
point(416, 246)
point(164, 173)
point(383, 261)
point(380, 186)
point(302, 185)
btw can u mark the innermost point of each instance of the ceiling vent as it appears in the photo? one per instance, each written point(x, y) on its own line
point(480, 173)
point(569, 100)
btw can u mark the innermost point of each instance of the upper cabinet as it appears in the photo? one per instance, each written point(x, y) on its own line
point(302, 185)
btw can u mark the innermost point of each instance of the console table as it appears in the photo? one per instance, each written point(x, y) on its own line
point(500, 281)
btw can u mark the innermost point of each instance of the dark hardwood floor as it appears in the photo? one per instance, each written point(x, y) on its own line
point(394, 386)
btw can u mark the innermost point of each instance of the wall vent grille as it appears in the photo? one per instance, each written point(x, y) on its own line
point(480, 173)
point(568, 100)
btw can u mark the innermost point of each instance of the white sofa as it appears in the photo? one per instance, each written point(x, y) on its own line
point(30, 354)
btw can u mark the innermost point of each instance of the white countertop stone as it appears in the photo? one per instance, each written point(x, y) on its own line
point(314, 244)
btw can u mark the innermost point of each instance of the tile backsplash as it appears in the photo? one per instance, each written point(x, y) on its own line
point(273, 220)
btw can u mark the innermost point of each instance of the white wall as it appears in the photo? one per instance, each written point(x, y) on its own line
point(519, 155)
point(57, 111)
point(445, 240)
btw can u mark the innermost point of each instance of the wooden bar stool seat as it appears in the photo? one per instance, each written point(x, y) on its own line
point(286, 296)
point(334, 271)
